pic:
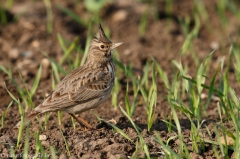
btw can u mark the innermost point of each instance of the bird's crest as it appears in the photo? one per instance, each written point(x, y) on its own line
point(101, 35)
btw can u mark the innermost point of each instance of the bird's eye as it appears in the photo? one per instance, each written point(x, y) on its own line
point(102, 46)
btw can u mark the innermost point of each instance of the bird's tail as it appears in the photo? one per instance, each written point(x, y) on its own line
point(27, 119)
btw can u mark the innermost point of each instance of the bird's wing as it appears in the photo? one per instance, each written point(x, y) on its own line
point(80, 86)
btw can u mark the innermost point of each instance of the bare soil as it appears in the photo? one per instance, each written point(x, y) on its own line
point(22, 41)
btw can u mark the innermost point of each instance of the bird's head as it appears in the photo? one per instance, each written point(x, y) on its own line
point(101, 47)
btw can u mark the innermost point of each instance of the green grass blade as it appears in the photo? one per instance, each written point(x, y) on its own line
point(36, 81)
point(66, 144)
point(127, 103)
point(67, 52)
point(166, 148)
point(143, 23)
point(53, 153)
point(12, 153)
point(49, 16)
point(129, 118)
point(11, 95)
point(204, 86)
point(26, 144)
point(211, 88)
point(4, 114)
point(7, 72)
point(89, 37)
point(120, 132)
point(61, 42)
point(55, 65)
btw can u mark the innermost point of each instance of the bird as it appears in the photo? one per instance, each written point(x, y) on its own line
point(84, 88)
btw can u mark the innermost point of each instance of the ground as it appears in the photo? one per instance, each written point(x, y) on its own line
point(22, 42)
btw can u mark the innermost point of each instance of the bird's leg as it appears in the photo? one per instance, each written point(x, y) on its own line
point(81, 121)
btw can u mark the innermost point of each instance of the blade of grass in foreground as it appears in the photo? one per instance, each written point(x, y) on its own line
point(20, 131)
point(3, 17)
point(53, 153)
point(129, 118)
point(61, 43)
point(68, 51)
point(143, 143)
point(21, 114)
point(87, 44)
point(152, 98)
point(144, 146)
point(182, 148)
point(166, 148)
point(219, 93)
point(9, 73)
point(162, 74)
point(135, 153)
point(211, 88)
point(66, 144)
point(143, 23)
point(49, 16)
point(24, 93)
point(12, 153)
point(36, 81)
point(4, 113)
point(114, 127)
point(115, 92)
point(119, 131)
point(40, 151)
point(26, 144)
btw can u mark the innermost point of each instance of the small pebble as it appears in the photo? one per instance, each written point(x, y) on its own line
point(45, 143)
point(188, 76)
point(45, 67)
point(5, 153)
point(13, 54)
point(127, 52)
point(214, 98)
point(112, 121)
point(45, 63)
point(203, 96)
point(229, 140)
point(214, 45)
point(42, 137)
point(27, 54)
point(35, 43)
point(28, 25)
point(119, 16)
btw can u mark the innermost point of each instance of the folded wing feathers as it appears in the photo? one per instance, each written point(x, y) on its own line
point(82, 89)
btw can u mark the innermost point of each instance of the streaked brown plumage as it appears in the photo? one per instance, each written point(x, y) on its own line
point(85, 87)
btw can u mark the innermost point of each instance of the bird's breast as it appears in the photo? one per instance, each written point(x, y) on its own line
point(110, 68)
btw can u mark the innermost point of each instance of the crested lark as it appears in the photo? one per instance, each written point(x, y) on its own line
point(85, 87)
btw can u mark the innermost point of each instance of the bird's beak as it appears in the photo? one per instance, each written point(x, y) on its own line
point(114, 45)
